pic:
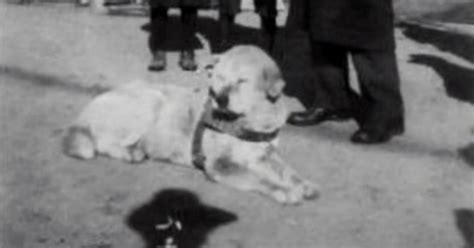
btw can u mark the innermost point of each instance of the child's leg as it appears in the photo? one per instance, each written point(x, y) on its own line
point(226, 23)
point(228, 9)
point(157, 37)
point(189, 23)
point(267, 9)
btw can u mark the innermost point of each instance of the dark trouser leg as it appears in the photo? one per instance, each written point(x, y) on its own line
point(228, 9)
point(226, 24)
point(268, 13)
point(333, 97)
point(189, 24)
point(382, 104)
point(157, 37)
point(380, 88)
point(331, 76)
point(297, 15)
point(158, 31)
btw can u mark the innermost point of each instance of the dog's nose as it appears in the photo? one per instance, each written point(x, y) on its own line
point(222, 101)
point(221, 98)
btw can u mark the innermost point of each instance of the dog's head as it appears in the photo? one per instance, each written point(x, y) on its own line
point(246, 83)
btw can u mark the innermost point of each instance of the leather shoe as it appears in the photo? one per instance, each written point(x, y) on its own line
point(365, 136)
point(317, 115)
point(158, 62)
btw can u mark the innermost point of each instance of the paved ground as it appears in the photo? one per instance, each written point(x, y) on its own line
point(416, 191)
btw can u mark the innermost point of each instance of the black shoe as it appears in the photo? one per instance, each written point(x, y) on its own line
point(186, 60)
point(317, 115)
point(365, 136)
point(158, 62)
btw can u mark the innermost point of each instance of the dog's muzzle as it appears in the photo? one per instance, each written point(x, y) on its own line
point(222, 112)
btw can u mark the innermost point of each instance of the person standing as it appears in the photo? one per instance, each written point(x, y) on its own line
point(267, 10)
point(364, 30)
point(158, 34)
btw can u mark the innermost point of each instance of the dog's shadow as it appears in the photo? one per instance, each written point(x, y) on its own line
point(177, 218)
point(465, 224)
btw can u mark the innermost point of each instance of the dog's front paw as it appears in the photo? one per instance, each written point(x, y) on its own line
point(293, 196)
point(137, 156)
point(287, 197)
point(301, 192)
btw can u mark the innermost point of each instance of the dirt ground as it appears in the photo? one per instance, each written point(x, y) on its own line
point(416, 191)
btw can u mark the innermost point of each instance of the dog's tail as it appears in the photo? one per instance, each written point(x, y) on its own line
point(79, 143)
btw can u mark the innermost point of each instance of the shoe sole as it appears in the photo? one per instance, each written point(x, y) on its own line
point(382, 139)
point(156, 68)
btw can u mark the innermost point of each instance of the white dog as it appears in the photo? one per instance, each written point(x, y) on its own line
point(229, 130)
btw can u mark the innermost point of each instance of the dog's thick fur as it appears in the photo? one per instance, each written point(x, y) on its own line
point(142, 120)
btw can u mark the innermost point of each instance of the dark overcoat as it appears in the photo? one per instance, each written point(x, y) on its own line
point(229, 6)
point(184, 3)
point(364, 24)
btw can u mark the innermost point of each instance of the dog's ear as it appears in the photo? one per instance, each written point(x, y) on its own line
point(274, 83)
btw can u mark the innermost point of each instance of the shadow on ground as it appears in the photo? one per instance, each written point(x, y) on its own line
point(409, 148)
point(465, 224)
point(177, 217)
point(47, 80)
point(462, 13)
point(458, 81)
point(459, 44)
point(467, 154)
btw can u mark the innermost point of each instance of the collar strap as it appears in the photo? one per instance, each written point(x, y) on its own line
point(230, 128)
point(245, 134)
point(198, 157)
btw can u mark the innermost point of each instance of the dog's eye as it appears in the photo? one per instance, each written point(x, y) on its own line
point(241, 80)
point(272, 99)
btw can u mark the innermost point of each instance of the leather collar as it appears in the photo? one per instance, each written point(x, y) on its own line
point(245, 134)
point(230, 128)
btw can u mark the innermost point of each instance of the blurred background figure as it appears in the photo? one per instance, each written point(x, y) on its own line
point(363, 29)
point(266, 9)
point(158, 34)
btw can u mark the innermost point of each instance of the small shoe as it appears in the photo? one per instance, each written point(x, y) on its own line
point(363, 136)
point(186, 60)
point(317, 115)
point(158, 62)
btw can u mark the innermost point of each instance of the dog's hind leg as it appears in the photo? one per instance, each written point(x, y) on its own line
point(79, 143)
point(113, 149)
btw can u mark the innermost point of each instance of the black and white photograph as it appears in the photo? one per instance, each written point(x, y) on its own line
point(236, 123)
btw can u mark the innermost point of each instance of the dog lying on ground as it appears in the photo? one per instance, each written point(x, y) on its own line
point(229, 130)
